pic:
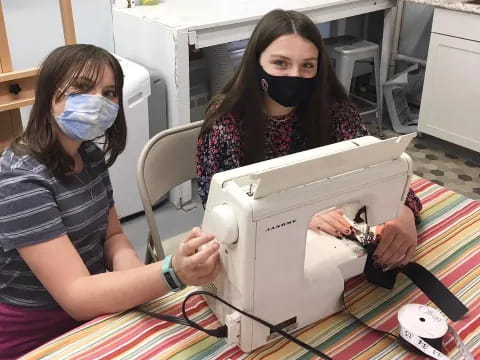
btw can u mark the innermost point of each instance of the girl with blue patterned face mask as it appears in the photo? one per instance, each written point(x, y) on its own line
point(62, 248)
point(86, 115)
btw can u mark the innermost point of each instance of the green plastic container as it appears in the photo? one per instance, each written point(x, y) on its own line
point(150, 2)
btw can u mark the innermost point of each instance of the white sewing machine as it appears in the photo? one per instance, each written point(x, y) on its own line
point(273, 267)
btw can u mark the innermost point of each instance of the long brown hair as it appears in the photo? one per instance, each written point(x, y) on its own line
point(243, 95)
point(57, 72)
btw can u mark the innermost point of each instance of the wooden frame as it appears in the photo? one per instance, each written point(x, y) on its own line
point(10, 121)
point(67, 22)
point(17, 88)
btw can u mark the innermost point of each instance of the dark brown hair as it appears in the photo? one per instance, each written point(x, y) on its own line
point(243, 94)
point(57, 72)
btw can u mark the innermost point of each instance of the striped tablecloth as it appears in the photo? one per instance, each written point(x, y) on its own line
point(449, 246)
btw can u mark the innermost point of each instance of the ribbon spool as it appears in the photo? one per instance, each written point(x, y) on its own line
point(424, 328)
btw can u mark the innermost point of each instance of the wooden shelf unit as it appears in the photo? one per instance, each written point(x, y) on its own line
point(17, 88)
point(26, 80)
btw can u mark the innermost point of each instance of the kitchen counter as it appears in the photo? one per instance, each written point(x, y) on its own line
point(452, 5)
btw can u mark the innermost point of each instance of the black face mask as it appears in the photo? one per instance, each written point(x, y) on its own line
point(288, 91)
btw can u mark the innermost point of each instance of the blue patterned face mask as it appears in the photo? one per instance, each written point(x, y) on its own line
point(87, 117)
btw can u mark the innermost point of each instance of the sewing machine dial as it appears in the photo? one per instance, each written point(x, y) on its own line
point(224, 224)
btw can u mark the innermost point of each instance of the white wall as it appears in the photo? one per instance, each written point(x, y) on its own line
point(34, 29)
point(415, 32)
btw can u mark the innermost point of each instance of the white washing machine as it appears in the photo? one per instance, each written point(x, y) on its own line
point(123, 173)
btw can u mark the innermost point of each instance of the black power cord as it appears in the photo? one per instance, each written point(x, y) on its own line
point(222, 331)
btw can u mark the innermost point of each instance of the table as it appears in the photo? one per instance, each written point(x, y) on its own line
point(449, 246)
point(159, 37)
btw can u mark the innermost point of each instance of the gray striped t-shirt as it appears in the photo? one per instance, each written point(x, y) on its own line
point(36, 207)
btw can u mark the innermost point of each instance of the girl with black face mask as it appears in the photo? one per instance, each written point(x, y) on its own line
point(285, 98)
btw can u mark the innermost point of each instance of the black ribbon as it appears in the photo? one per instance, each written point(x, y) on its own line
point(420, 276)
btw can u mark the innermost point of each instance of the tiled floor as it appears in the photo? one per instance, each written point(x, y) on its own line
point(452, 168)
point(444, 163)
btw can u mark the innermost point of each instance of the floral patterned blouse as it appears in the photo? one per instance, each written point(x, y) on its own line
point(219, 148)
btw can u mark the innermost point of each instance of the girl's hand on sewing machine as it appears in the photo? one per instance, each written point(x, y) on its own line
point(397, 241)
point(195, 264)
point(332, 222)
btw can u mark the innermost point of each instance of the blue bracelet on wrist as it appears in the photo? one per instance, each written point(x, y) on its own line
point(169, 276)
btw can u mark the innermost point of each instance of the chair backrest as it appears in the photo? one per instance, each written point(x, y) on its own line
point(166, 161)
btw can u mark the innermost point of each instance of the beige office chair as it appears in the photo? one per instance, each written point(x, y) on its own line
point(166, 161)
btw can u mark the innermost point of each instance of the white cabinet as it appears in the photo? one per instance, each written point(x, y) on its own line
point(450, 107)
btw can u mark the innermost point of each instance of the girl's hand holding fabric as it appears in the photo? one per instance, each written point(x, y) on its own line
point(195, 264)
point(397, 240)
point(332, 222)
